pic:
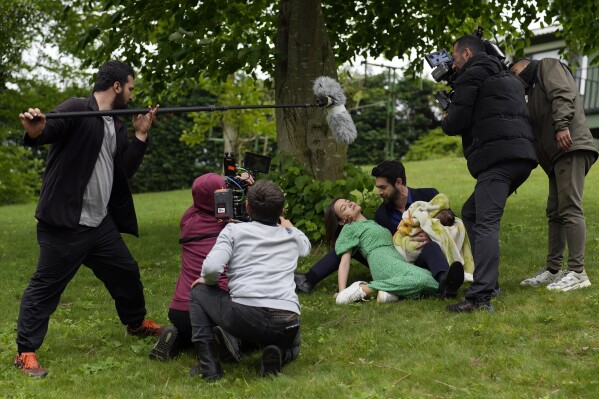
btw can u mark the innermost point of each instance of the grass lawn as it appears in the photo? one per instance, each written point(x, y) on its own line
point(538, 344)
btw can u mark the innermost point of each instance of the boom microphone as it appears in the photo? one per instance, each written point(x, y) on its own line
point(328, 92)
point(338, 118)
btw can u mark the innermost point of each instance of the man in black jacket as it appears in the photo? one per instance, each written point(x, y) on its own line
point(489, 111)
point(85, 203)
point(397, 197)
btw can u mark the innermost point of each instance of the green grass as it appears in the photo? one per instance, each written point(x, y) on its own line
point(538, 344)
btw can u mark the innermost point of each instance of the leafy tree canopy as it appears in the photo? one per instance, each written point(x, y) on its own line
point(217, 38)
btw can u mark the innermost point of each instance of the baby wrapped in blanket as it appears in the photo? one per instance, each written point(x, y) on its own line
point(437, 220)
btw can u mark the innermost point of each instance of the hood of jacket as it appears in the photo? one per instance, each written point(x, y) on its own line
point(203, 189)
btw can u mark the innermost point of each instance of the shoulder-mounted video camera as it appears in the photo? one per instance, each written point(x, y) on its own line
point(442, 62)
point(229, 203)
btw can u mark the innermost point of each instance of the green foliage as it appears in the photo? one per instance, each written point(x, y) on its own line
point(19, 173)
point(240, 128)
point(307, 198)
point(21, 168)
point(435, 145)
point(388, 112)
point(169, 162)
point(218, 38)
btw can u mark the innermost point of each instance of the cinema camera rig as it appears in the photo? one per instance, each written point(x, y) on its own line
point(442, 61)
point(229, 203)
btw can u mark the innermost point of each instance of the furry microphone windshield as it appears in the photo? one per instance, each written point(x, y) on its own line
point(338, 118)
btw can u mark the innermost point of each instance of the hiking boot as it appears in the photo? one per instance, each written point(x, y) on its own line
point(165, 348)
point(302, 283)
point(570, 280)
point(543, 277)
point(451, 281)
point(228, 345)
point(27, 363)
point(208, 366)
point(471, 304)
point(353, 293)
point(386, 297)
point(272, 361)
point(147, 328)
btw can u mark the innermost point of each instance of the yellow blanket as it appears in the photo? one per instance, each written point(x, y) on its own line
point(452, 239)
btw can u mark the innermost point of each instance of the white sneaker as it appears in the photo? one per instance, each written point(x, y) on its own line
point(353, 293)
point(543, 277)
point(570, 280)
point(386, 297)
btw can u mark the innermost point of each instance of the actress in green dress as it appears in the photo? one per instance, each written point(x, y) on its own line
point(392, 276)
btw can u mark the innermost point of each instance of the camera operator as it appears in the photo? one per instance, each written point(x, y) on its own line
point(489, 112)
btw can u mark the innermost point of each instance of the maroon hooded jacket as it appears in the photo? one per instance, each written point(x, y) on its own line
point(198, 220)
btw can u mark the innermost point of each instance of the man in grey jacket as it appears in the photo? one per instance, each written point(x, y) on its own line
point(566, 152)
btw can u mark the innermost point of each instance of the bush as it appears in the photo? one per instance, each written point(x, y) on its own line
point(435, 145)
point(307, 198)
point(19, 174)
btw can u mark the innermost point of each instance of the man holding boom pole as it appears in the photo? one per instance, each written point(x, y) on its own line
point(85, 203)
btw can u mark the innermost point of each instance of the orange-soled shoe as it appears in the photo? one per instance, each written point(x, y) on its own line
point(147, 328)
point(27, 363)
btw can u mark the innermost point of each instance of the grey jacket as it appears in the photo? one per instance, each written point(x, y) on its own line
point(554, 105)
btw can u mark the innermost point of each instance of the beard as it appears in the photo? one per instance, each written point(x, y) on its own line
point(119, 101)
point(392, 197)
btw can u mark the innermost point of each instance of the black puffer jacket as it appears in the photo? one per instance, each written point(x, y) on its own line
point(489, 111)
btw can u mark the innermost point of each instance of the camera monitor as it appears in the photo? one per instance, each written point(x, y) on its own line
point(437, 58)
point(256, 162)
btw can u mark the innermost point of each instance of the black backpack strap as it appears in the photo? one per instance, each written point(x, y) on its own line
point(185, 240)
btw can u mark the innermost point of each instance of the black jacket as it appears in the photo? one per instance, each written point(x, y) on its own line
point(76, 143)
point(489, 111)
point(383, 212)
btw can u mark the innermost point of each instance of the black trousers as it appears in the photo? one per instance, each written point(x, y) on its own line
point(482, 214)
point(62, 252)
point(182, 322)
point(431, 258)
point(210, 306)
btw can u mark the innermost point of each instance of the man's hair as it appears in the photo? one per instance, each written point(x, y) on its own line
point(472, 42)
point(110, 72)
point(266, 201)
point(391, 170)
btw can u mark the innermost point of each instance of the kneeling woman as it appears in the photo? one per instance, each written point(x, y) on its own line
point(392, 276)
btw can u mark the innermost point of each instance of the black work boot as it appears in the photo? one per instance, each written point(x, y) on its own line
point(472, 304)
point(272, 361)
point(302, 283)
point(227, 345)
point(209, 363)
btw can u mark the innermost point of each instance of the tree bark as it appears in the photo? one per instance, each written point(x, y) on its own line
point(303, 53)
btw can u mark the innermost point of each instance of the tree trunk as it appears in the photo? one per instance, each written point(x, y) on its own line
point(230, 136)
point(303, 53)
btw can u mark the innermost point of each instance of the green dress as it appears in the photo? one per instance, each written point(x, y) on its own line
point(390, 272)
